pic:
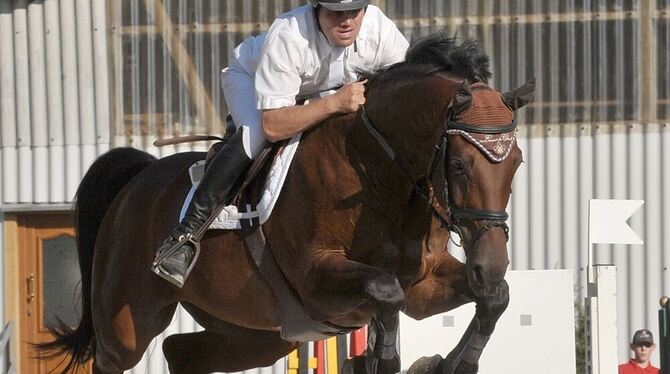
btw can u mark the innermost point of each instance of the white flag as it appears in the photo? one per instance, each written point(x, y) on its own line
point(607, 221)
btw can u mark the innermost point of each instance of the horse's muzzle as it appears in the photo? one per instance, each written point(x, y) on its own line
point(486, 269)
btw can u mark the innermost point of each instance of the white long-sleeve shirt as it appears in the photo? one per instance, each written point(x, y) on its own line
point(292, 60)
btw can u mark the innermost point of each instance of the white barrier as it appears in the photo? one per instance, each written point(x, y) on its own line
point(536, 334)
point(601, 327)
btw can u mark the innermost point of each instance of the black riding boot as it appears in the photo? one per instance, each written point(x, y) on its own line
point(177, 254)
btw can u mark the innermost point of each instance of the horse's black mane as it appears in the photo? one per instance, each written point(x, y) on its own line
point(466, 60)
point(441, 53)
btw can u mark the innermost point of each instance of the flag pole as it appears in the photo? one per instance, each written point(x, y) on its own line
point(589, 263)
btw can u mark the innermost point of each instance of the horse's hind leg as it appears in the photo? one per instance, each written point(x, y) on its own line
point(121, 343)
point(234, 349)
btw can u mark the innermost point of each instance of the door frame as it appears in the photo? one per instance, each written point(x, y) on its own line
point(16, 225)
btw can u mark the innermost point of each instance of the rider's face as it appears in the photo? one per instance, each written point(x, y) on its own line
point(341, 28)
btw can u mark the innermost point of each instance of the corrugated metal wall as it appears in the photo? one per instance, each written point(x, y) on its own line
point(79, 76)
point(54, 96)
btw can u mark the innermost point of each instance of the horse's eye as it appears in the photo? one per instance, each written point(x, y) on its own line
point(456, 167)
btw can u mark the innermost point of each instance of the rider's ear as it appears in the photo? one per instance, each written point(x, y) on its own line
point(462, 98)
point(521, 96)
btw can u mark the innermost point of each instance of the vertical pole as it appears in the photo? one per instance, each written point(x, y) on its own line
point(303, 359)
point(358, 343)
point(590, 307)
point(589, 262)
point(332, 365)
point(601, 322)
point(341, 350)
point(293, 363)
point(648, 98)
point(664, 338)
point(319, 353)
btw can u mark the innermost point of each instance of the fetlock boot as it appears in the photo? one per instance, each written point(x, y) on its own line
point(177, 255)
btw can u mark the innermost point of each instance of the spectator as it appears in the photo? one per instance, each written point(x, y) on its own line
point(643, 346)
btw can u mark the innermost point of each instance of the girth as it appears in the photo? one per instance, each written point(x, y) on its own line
point(296, 324)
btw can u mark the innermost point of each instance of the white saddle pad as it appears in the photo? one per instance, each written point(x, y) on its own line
point(230, 218)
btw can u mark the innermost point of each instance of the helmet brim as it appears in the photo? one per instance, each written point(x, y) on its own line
point(342, 7)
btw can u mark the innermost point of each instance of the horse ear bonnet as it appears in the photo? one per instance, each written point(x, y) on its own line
point(485, 107)
point(515, 99)
point(462, 99)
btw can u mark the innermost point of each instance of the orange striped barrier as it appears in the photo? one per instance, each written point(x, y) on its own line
point(327, 355)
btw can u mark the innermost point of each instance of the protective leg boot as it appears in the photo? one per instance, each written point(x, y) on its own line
point(176, 256)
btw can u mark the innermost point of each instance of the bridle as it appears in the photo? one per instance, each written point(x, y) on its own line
point(452, 218)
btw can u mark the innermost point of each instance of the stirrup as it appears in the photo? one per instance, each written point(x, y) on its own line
point(162, 256)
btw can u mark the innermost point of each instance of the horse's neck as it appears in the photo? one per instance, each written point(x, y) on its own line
point(382, 181)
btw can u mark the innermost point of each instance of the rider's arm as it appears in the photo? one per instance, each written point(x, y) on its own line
point(285, 59)
point(283, 123)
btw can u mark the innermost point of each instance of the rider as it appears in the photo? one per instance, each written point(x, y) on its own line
point(316, 50)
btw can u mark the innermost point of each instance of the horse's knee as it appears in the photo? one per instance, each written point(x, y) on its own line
point(489, 309)
point(385, 291)
point(171, 347)
point(493, 306)
point(175, 353)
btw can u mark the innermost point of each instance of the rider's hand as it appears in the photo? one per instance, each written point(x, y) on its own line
point(349, 97)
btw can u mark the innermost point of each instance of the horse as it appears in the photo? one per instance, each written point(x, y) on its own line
point(359, 232)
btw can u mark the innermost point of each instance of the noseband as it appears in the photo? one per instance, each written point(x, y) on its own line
point(454, 215)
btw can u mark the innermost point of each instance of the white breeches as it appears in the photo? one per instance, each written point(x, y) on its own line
point(240, 93)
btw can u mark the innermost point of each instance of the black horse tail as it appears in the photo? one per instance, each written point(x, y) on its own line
point(102, 182)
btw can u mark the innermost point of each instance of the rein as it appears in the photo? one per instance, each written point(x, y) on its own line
point(402, 166)
point(454, 215)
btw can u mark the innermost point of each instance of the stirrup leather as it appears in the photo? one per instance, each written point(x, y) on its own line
point(163, 255)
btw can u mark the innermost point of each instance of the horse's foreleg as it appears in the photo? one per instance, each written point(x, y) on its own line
point(465, 357)
point(342, 285)
point(338, 285)
point(381, 355)
point(444, 287)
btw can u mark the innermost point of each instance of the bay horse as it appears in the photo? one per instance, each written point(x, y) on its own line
point(360, 232)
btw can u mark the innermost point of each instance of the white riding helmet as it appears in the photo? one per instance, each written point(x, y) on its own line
point(340, 5)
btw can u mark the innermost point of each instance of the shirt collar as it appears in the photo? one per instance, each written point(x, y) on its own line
point(324, 46)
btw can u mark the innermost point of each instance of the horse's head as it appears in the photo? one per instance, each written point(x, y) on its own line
point(476, 144)
point(481, 157)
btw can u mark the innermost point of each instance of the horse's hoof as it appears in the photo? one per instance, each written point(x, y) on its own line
point(425, 365)
point(447, 366)
point(466, 368)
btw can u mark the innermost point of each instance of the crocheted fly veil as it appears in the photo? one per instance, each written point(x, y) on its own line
point(485, 117)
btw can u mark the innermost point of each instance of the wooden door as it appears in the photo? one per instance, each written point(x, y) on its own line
point(50, 284)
